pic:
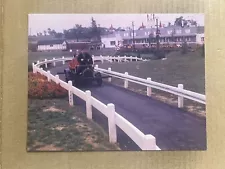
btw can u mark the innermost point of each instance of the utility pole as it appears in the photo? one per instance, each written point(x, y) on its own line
point(182, 26)
point(133, 36)
point(157, 35)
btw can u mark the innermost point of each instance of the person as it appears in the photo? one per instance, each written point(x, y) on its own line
point(74, 62)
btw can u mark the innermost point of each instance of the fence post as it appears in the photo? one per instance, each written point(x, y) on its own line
point(125, 58)
point(63, 60)
point(180, 98)
point(38, 63)
point(149, 89)
point(33, 67)
point(101, 58)
point(88, 104)
point(41, 71)
point(111, 123)
point(149, 142)
point(48, 75)
point(46, 65)
point(109, 79)
point(96, 66)
point(57, 79)
point(70, 94)
point(53, 61)
point(93, 58)
point(126, 81)
point(136, 58)
point(108, 58)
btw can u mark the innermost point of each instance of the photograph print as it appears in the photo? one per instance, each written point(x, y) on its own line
point(116, 82)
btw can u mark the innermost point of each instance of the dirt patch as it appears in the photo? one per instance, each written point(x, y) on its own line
point(55, 126)
point(53, 109)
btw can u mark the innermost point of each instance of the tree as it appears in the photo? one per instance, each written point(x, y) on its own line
point(172, 35)
point(178, 22)
point(59, 35)
point(95, 33)
point(49, 31)
point(45, 32)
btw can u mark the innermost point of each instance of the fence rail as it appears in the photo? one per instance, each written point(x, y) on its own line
point(179, 91)
point(145, 142)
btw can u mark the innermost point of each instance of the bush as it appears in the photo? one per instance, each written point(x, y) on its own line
point(159, 54)
point(184, 48)
point(40, 88)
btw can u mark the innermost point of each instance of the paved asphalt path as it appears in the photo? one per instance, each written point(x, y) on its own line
point(173, 128)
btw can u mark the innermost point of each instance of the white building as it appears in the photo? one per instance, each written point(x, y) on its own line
point(200, 39)
point(172, 34)
point(111, 40)
point(51, 45)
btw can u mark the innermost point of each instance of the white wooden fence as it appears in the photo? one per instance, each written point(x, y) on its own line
point(179, 91)
point(145, 142)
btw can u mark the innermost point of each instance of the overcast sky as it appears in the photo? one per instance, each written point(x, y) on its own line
point(58, 22)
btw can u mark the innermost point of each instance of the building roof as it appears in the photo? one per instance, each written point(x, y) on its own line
point(164, 32)
point(50, 42)
point(200, 29)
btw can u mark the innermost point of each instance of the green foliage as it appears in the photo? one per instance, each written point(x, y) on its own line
point(95, 31)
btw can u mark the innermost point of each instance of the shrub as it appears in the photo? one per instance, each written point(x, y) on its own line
point(40, 88)
point(184, 48)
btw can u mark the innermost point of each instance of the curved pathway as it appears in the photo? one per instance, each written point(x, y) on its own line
point(173, 128)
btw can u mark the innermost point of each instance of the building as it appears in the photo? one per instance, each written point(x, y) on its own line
point(74, 45)
point(170, 34)
point(51, 45)
point(111, 40)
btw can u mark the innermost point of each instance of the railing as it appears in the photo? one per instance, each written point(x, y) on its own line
point(145, 142)
point(179, 91)
point(116, 58)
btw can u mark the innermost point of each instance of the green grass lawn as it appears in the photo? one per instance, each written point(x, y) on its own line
point(188, 69)
point(54, 126)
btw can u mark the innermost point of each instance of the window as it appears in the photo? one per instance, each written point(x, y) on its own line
point(112, 43)
point(178, 31)
point(169, 32)
point(187, 30)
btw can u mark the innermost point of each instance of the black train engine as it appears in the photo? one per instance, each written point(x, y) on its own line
point(84, 72)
